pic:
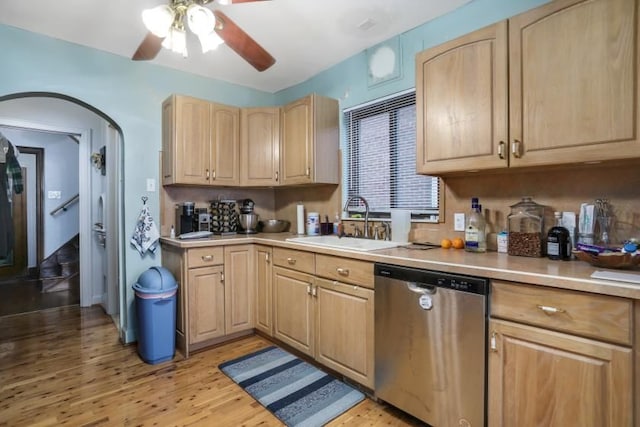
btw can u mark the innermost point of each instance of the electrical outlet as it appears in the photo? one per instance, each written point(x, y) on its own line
point(54, 194)
point(458, 222)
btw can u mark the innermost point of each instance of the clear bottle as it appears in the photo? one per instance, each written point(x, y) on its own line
point(475, 229)
point(558, 241)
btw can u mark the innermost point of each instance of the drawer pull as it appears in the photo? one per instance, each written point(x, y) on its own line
point(308, 289)
point(207, 258)
point(342, 271)
point(291, 261)
point(493, 346)
point(550, 310)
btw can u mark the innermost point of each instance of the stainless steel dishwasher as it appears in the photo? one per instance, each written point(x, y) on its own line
point(430, 338)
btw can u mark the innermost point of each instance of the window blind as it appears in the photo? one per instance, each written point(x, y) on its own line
point(380, 159)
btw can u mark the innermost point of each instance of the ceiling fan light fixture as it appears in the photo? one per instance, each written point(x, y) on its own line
point(223, 2)
point(210, 41)
point(158, 20)
point(200, 20)
point(176, 41)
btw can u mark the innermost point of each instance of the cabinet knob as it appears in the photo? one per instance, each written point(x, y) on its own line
point(308, 173)
point(493, 345)
point(515, 148)
point(342, 271)
point(213, 174)
point(207, 258)
point(222, 278)
point(207, 174)
point(291, 261)
point(276, 176)
point(266, 257)
point(550, 310)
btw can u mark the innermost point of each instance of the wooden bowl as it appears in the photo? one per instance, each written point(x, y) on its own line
point(609, 260)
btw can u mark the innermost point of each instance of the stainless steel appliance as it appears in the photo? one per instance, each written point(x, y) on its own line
point(430, 338)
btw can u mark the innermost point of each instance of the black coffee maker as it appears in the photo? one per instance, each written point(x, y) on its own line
point(187, 222)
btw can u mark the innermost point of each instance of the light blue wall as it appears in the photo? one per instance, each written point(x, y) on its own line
point(131, 93)
point(350, 76)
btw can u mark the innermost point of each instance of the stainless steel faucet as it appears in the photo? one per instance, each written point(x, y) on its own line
point(366, 212)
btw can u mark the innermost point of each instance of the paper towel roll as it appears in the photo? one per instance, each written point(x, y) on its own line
point(300, 219)
point(400, 225)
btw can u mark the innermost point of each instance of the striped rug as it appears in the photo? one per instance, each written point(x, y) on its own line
point(296, 392)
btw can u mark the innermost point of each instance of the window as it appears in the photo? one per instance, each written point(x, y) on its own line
point(380, 159)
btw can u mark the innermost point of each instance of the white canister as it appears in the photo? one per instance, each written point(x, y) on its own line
point(313, 224)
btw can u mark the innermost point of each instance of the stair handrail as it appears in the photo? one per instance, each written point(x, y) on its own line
point(65, 205)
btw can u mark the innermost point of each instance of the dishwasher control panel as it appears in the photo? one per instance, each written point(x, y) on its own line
point(476, 285)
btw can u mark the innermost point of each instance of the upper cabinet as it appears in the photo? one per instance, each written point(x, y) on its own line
point(260, 146)
point(205, 143)
point(571, 90)
point(461, 103)
point(200, 142)
point(309, 141)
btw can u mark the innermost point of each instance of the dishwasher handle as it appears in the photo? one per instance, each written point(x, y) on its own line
point(421, 288)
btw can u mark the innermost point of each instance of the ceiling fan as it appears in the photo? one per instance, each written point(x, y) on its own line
point(166, 25)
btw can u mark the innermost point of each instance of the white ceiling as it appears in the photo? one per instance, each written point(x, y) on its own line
point(304, 36)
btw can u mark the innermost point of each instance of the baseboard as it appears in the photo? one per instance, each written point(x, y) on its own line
point(128, 336)
point(98, 299)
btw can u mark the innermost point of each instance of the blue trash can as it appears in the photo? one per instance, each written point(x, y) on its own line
point(156, 313)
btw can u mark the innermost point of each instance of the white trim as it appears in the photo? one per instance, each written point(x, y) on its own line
point(377, 100)
point(86, 232)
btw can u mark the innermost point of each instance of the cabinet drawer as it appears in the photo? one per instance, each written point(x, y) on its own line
point(203, 257)
point(591, 315)
point(294, 259)
point(345, 270)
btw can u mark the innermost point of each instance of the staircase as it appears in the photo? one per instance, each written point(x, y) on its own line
point(61, 270)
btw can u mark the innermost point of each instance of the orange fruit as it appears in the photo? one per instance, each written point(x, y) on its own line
point(445, 243)
point(458, 243)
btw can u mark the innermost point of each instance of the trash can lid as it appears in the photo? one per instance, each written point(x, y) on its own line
point(155, 280)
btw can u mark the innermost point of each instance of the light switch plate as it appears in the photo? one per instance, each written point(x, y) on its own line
point(151, 184)
point(458, 222)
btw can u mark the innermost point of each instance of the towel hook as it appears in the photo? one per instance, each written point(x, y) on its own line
point(144, 200)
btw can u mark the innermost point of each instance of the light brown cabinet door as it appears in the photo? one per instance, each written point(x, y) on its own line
point(294, 309)
point(191, 140)
point(260, 146)
point(263, 289)
point(238, 288)
point(206, 303)
point(544, 378)
point(297, 141)
point(349, 310)
point(461, 103)
point(574, 82)
point(225, 145)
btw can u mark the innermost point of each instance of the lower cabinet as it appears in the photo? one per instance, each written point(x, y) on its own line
point(215, 296)
point(264, 289)
point(293, 308)
point(328, 319)
point(552, 361)
point(344, 342)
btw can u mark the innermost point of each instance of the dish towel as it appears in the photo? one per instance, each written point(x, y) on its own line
point(145, 236)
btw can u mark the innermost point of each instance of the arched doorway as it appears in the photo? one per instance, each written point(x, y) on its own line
point(100, 189)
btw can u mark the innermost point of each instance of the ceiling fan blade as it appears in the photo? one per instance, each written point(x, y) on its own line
point(242, 43)
point(149, 48)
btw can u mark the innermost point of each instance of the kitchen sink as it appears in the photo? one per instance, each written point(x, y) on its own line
point(349, 243)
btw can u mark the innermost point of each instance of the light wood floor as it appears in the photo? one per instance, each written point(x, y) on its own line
point(66, 366)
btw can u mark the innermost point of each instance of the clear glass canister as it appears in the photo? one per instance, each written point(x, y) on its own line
point(526, 225)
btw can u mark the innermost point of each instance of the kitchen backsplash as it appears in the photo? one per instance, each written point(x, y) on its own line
point(559, 189)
